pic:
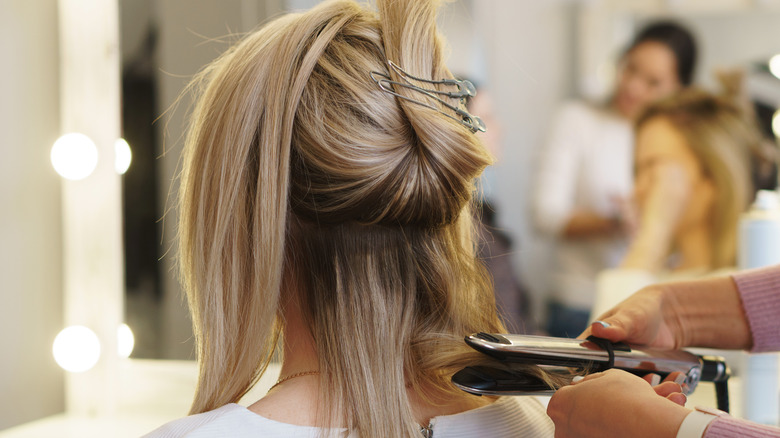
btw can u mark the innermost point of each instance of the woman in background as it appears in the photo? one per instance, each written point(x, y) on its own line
point(693, 158)
point(585, 171)
point(325, 204)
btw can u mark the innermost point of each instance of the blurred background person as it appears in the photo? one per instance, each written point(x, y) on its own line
point(695, 156)
point(693, 180)
point(585, 176)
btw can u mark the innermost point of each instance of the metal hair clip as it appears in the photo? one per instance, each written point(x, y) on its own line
point(464, 89)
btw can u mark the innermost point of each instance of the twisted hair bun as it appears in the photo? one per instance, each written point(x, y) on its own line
point(361, 154)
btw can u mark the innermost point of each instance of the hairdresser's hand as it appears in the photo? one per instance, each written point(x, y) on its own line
point(617, 404)
point(648, 317)
point(699, 313)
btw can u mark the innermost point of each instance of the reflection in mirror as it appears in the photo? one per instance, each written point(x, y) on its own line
point(140, 183)
point(164, 43)
point(529, 56)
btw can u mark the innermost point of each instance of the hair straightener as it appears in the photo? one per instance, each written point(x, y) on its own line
point(570, 357)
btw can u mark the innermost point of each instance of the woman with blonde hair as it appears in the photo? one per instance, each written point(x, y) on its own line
point(324, 206)
point(692, 158)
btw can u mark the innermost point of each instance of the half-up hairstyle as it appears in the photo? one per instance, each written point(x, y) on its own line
point(299, 169)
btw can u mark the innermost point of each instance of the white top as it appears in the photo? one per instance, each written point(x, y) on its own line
point(586, 164)
point(507, 417)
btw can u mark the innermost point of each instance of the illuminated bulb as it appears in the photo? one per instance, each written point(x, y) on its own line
point(776, 123)
point(122, 156)
point(125, 340)
point(76, 349)
point(74, 156)
point(774, 66)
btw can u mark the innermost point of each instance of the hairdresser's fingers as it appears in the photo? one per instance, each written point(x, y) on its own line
point(667, 388)
point(676, 377)
point(586, 333)
point(612, 327)
point(637, 320)
point(652, 379)
point(678, 398)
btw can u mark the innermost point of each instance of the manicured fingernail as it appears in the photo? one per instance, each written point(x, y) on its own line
point(576, 379)
point(603, 324)
point(655, 379)
point(680, 379)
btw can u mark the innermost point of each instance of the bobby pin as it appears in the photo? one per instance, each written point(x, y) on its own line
point(464, 90)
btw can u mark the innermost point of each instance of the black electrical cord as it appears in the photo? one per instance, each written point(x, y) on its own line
point(722, 395)
point(714, 369)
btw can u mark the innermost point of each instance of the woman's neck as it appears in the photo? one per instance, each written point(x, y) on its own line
point(695, 247)
point(295, 401)
point(299, 352)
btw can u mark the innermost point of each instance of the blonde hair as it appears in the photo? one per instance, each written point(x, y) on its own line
point(299, 169)
point(722, 135)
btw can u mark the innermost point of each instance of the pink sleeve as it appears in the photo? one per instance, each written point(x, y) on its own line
point(760, 292)
point(730, 427)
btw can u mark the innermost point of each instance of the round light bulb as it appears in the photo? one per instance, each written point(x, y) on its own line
point(74, 156)
point(774, 66)
point(776, 123)
point(125, 340)
point(122, 156)
point(76, 349)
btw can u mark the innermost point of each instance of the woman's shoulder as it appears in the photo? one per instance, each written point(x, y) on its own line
point(507, 417)
point(230, 420)
point(185, 426)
